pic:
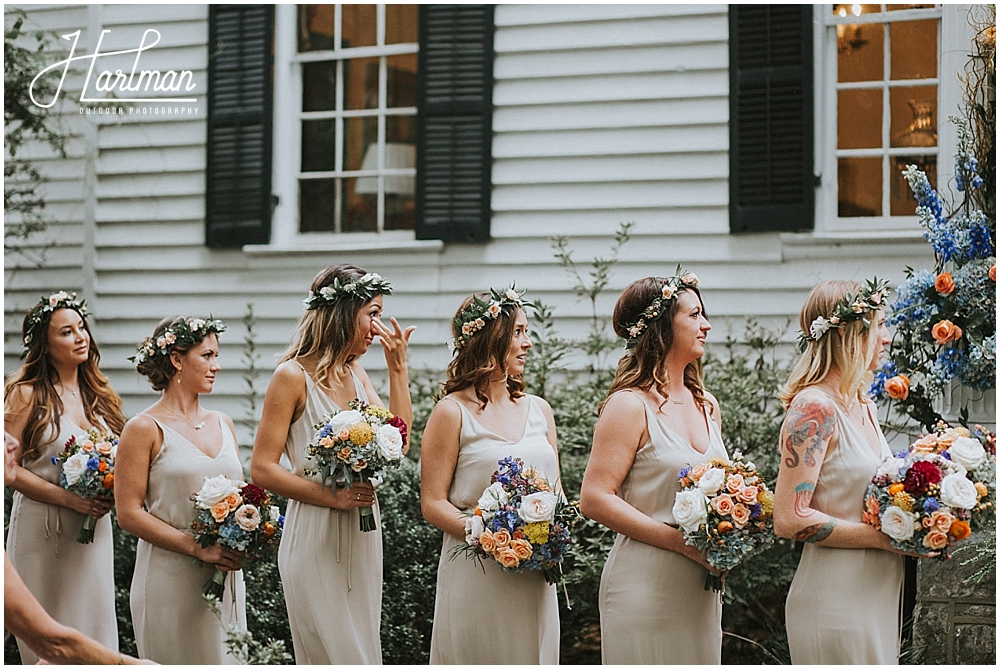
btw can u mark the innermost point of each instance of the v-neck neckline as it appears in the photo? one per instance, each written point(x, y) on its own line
point(708, 429)
point(527, 419)
point(222, 447)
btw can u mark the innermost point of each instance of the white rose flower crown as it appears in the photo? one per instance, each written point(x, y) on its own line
point(853, 307)
point(365, 288)
point(188, 331)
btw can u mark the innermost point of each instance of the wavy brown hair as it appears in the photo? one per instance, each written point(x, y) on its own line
point(45, 408)
point(484, 354)
point(329, 331)
point(643, 367)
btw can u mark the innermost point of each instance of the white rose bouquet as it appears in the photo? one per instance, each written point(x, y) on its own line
point(933, 495)
point(724, 510)
point(362, 442)
point(88, 469)
point(239, 516)
point(519, 522)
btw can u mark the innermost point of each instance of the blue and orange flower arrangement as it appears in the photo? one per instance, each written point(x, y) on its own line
point(88, 469)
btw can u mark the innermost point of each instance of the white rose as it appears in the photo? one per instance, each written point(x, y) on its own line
point(690, 509)
point(512, 295)
point(344, 420)
point(75, 466)
point(538, 507)
point(493, 498)
point(474, 527)
point(898, 524)
point(889, 467)
point(248, 517)
point(967, 452)
point(712, 480)
point(214, 490)
point(390, 442)
point(114, 451)
point(958, 491)
point(273, 514)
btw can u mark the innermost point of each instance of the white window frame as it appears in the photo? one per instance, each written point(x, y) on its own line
point(287, 133)
point(954, 38)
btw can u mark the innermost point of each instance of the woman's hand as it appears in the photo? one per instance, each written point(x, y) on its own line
point(97, 507)
point(359, 494)
point(394, 343)
point(222, 558)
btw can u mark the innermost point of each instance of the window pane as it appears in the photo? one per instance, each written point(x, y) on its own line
point(400, 23)
point(901, 200)
point(401, 129)
point(315, 27)
point(399, 209)
point(360, 205)
point(912, 121)
point(357, 26)
point(361, 76)
point(361, 143)
point(859, 187)
point(317, 204)
point(860, 50)
point(318, 140)
point(859, 119)
point(319, 86)
point(401, 83)
point(913, 49)
point(894, 8)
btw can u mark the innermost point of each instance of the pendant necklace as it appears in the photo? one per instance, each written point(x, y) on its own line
point(183, 418)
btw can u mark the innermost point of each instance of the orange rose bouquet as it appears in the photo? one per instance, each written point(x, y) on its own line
point(932, 495)
point(88, 469)
point(238, 516)
point(724, 510)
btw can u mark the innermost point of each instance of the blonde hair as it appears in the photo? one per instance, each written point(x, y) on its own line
point(848, 348)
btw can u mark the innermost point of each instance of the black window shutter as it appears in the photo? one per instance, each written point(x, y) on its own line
point(238, 174)
point(455, 122)
point(771, 183)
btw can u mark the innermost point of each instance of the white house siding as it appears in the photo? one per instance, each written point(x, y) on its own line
point(603, 114)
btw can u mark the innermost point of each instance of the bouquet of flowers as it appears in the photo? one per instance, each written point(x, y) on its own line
point(520, 522)
point(363, 442)
point(724, 510)
point(88, 469)
point(932, 495)
point(239, 516)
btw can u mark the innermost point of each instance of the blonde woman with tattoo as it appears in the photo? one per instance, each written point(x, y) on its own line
point(844, 603)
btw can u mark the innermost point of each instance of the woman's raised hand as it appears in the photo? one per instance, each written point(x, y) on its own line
point(394, 342)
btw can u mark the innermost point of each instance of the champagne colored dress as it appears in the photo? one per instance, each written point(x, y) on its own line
point(173, 624)
point(74, 582)
point(331, 571)
point(844, 603)
point(653, 602)
point(496, 617)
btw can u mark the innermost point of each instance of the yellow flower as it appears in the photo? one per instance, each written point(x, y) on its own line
point(360, 433)
point(378, 412)
point(766, 500)
point(536, 533)
point(904, 501)
point(719, 462)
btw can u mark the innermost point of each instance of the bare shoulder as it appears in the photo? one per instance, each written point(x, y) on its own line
point(542, 404)
point(625, 403)
point(448, 410)
point(139, 428)
point(814, 402)
point(288, 372)
point(229, 421)
point(714, 403)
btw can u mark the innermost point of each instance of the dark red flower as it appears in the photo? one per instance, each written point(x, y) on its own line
point(920, 475)
point(253, 494)
point(400, 425)
point(69, 444)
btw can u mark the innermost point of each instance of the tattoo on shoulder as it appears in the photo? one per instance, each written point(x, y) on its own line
point(803, 496)
point(816, 533)
point(807, 426)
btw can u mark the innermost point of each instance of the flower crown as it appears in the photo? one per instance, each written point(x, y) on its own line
point(853, 307)
point(60, 300)
point(188, 331)
point(472, 320)
point(656, 308)
point(365, 288)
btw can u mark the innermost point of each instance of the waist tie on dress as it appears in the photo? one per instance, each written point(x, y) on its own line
point(350, 552)
point(58, 525)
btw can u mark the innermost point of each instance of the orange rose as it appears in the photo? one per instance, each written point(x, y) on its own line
point(935, 540)
point(898, 387)
point(486, 542)
point(521, 548)
point(104, 448)
point(927, 522)
point(734, 483)
point(507, 558)
point(268, 529)
point(220, 510)
point(942, 520)
point(326, 442)
point(896, 488)
point(725, 526)
point(959, 530)
point(344, 454)
point(697, 471)
point(741, 515)
point(747, 494)
point(981, 489)
point(344, 434)
point(109, 481)
point(502, 537)
point(518, 534)
point(945, 331)
point(944, 283)
point(946, 438)
point(102, 466)
point(993, 272)
point(723, 505)
point(234, 501)
point(87, 446)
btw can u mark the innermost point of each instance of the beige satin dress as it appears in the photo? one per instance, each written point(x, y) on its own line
point(74, 582)
point(497, 617)
point(331, 571)
point(844, 603)
point(653, 602)
point(173, 624)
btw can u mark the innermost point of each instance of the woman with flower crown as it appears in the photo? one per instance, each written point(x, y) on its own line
point(164, 456)
point(657, 419)
point(58, 392)
point(843, 605)
point(331, 571)
point(484, 417)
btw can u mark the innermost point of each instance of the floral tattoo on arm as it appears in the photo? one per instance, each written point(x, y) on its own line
point(808, 426)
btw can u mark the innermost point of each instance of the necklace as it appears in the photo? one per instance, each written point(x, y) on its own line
point(71, 390)
point(184, 418)
point(677, 401)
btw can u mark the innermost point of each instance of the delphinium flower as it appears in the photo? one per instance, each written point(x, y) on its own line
point(911, 300)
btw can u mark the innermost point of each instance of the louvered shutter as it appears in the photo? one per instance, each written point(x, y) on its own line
point(238, 175)
point(771, 183)
point(455, 122)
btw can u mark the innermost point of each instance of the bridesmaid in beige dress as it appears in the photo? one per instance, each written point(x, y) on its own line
point(57, 392)
point(331, 571)
point(657, 419)
point(844, 603)
point(164, 456)
point(492, 617)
